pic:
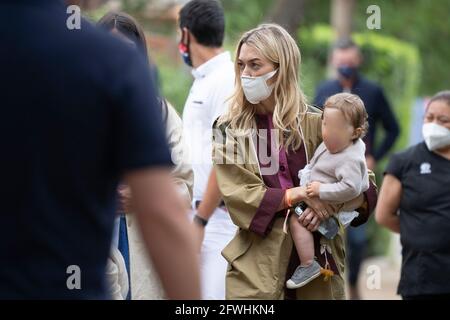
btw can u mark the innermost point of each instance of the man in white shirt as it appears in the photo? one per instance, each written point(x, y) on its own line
point(202, 25)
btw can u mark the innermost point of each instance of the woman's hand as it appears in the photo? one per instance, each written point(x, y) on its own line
point(322, 209)
point(309, 219)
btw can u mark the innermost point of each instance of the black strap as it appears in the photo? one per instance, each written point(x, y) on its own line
point(201, 221)
point(197, 204)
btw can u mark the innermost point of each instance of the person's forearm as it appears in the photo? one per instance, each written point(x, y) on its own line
point(339, 192)
point(352, 204)
point(283, 204)
point(167, 232)
point(389, 203)
point(211, 197)
point(392, 222)
point(293, 195)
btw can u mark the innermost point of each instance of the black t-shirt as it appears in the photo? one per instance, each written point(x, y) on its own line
point(424, 220)
point(78, 109)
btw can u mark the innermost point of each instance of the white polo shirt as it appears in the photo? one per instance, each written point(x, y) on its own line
point(213, 85)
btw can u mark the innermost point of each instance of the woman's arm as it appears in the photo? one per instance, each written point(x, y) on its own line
point(298, 194)
point(388, 203)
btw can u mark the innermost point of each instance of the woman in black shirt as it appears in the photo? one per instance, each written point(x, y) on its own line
point(415, 201)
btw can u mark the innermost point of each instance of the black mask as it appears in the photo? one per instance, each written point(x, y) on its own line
point(347, 72)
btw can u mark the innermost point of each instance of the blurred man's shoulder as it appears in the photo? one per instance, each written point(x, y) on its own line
point(326, 84)
point(371, 84)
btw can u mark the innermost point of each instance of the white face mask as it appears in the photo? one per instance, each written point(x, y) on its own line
point(256, 88)
point(435, 136)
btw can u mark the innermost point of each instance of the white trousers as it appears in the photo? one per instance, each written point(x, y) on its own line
point(218, 233)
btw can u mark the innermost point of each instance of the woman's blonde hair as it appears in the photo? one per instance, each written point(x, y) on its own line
point(276, 45)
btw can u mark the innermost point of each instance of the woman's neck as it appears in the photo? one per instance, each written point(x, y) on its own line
point(267, 106)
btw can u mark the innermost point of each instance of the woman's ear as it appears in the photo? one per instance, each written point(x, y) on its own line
point(273, 79)
point(275, 76)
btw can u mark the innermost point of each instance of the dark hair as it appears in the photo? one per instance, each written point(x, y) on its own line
point(126, 25)
point(345, 43)
point(441, 96)
point(205, 20)
point(130, 28)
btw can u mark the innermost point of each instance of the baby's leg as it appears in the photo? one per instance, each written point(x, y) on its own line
point(303, 240)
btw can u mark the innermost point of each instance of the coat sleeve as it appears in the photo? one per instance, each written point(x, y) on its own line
point(251, 204)
point(182, 173)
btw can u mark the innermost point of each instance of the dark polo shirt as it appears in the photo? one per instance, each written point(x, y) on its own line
point(78, 109)
point(424, 220)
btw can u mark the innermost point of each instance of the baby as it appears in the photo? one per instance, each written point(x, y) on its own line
point(337, 173)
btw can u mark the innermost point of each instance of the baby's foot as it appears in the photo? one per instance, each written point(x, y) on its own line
point(303, 275)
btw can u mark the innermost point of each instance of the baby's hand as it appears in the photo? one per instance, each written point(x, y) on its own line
point(313, 189)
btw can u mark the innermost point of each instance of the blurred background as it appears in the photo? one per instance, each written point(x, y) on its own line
point(409, 56)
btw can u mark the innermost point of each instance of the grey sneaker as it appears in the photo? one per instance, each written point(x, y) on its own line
point(303, 275)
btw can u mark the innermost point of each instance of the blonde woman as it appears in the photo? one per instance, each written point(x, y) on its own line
point(268, 135)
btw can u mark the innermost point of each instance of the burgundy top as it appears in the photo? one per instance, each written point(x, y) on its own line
point(288, 170)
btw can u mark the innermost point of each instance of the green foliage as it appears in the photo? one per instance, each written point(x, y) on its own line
point(95, 15)
point(422, 22)
point(134, 5)
point(243, 15)
point(175, 83)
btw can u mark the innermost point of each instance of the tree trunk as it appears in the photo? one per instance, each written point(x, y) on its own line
point(341, 17)
point(288, 14)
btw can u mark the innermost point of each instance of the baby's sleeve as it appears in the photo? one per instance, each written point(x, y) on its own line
point(351, 180)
